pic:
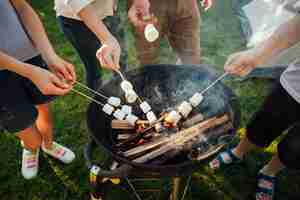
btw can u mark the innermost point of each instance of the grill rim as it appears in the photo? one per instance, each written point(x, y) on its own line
point(174, 169)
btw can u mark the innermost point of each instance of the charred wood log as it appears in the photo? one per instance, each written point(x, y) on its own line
point(193, 120)
point(179, 139)
point(121, 124)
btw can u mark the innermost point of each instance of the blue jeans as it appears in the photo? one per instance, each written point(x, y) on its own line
point(86, 44)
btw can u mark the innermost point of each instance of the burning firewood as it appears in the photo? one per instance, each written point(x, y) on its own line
point(177, 140)
point(145, 147)
point(193, 120)
point(143, 129)
point(121, 124)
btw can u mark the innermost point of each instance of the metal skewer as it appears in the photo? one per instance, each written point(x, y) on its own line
point(121, 75)
point(87, 97)
point(214, 83)
point(91, 90)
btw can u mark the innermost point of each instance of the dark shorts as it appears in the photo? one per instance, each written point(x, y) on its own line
point(18, 99)
point(280, 113)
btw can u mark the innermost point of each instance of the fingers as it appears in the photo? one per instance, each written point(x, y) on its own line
point(57, 86)
point(71, 70)
point(104, 57)
point(116, 60)
point(64, 70)
point(134, 18)
point(238, 64)
point(107, 58)
point(232, 65)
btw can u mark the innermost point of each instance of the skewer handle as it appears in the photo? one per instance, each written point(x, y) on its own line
point(121, 75)
point(214, 83)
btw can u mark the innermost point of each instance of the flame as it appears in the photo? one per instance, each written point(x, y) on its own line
point(140, 128)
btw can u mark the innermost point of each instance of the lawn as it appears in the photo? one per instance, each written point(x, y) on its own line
point(220, 36)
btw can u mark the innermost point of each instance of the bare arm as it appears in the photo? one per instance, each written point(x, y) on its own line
point(89, 17)
point(34, 28)
point(9, 63)
point(284, 37)
point(109, 53)
point(47, 82)
point(37, 34)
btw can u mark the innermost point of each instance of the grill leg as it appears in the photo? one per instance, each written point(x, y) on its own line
point(176, 187)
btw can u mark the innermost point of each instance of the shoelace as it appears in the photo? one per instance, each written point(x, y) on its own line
point(31, 160)
point(58, 150)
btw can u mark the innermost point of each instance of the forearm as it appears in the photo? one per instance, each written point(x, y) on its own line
point(89, 17)
point(9, 63)
point(35, 29)
point(284, 37)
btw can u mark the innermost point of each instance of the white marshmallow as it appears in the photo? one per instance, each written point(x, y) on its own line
point(126, 109)
point(145, 107)
point(118, 114)
point(173, 117)
point(151, 117)
point(131, 96)
point(114, 101)
point(151, 33)
point(185, 108)
point(108, 109)
point(131, 119)
point(158, 127)
point(196, 99)
point(126, 85)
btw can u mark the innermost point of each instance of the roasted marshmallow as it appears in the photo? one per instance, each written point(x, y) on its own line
point(159, 127)
point(126, 85)
point(151, 117)
point(131, 96)
point(114, 101)
point(196, 99)
point(151, 33)
point(173, 117)
point(131, 119)
point(118, 114)
point(185, 109)
point(145, 107)
point(108, 109)
point(126, 109)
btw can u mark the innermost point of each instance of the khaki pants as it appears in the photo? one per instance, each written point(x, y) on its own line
point(178, 22)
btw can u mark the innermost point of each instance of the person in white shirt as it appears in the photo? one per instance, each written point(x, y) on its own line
point(82, 24)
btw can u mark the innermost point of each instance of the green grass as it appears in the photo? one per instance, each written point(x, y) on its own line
point(219, 38)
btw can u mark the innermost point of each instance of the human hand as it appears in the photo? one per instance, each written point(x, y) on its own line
point(142, 7)
point(63, 69)
point(242, 63)
point(109, 54)
point(207, 4)
point(47, 82)
point(136, 19)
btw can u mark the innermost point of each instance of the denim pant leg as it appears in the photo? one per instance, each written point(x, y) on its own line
point(86, 44)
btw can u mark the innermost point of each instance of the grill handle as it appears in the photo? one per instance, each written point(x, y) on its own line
point(120, 172)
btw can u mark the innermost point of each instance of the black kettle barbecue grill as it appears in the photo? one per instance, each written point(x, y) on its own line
point(163, 86)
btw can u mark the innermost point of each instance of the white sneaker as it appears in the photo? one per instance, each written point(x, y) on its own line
point(30, 163)
point(60, 152)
